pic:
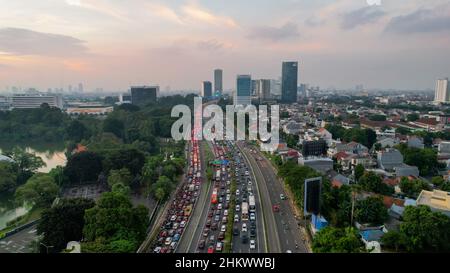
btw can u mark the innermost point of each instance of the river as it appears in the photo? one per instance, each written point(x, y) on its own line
point(53, 156)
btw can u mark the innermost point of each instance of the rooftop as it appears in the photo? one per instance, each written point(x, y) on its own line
point(435, 199)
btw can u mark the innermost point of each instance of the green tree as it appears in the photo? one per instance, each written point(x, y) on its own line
point(39, 190)
point(424, 159)
point(83, 167)
point(131, 159)
point(64, 222)
point(359, 171)
point(412, 117)
point(437, 181)
point(115, 126)
point(371, 211)
point(8, 177)
point(414, 187)
point(162, 188)
point(424, 230)
point(114, 223)
point(26, 163)
point(337, 240)
point(77, 131)
point(122, 176)
point(371, 182)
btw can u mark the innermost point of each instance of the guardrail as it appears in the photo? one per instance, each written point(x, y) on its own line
point(18, 229)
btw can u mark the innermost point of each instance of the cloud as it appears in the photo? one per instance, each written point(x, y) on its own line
point(99, 6)
point(194, 12)
point(362, 16)
point(420, 21)
point(213, 45)
point(274, 34)
point(19, 41)
point(165, 13)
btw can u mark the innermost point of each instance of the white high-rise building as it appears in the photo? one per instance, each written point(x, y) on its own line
point(442, 92)
point(264, 90)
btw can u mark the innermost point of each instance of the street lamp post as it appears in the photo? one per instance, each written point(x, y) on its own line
point(46, 246)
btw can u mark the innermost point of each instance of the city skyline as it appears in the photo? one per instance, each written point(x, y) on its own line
point(337, 43)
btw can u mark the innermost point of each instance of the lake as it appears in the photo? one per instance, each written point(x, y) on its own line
point(52, 155)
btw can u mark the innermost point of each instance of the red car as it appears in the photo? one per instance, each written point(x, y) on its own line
point(211, 249)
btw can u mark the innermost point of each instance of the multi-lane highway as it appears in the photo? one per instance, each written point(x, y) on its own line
point(278, 210)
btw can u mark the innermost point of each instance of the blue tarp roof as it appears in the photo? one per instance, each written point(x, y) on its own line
point(372, 234)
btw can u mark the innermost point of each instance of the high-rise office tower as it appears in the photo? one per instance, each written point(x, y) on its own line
point(289, 78)
point(207, 89)
point(242, 96)
point(141, 95)
point(264, 90)
point(218, 82)
point(442, 91)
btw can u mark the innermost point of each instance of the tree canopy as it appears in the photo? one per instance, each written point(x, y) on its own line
point(40, 190)
point(337, 240)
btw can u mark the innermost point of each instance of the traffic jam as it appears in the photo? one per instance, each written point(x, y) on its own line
point(181, 207)
point(243, 213)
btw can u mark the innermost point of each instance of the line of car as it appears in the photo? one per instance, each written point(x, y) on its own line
point(181, 208)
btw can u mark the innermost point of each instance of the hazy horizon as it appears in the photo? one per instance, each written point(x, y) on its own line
point(114, 44)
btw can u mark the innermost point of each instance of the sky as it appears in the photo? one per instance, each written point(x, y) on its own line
point(112, 44)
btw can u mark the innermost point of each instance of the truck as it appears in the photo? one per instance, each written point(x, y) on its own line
point(251, 201)
point(244, 211)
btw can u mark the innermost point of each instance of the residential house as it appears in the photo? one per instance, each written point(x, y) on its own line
point(437, 200)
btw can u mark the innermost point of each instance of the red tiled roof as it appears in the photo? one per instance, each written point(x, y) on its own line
point(341, 155)
point(388, 201)
point(427, 121)
point(336, 183)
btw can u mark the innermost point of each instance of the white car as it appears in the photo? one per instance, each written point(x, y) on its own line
point(223, 228)
point(252, 216)
point(246, 173)
point(252, 244)
point(219, 206)
point(182, 224)
point(244, 227)
point(228, 191)
point(238, 192)
point(168, 241)
point(236, 218)
point(238, 207)
point(250, 183)
point(225, 212)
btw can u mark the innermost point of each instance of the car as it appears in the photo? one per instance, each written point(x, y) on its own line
point(201, 244)
point(237, 192)
point(252, 244)
point(236, 218)
point(173, 218)
point(249, 183)
point(236, 232)
point(244, 239)
point(228, 198)
point(246, 173)
point(208, 223)
point(175, 225)
point(219, 247)
point(214, 226)
point(238, 207)
point(244, 227)
point(216, 218)
point(228, 191)
point(252, 225)
point(252, 216)
point(224, 220)
point(225, 212)
point(219, 207)
point(206, 232)
point(252, 233)
point(211, 249)
point(173, 245)
point(223, 228)
point(176, 237)
point(210, 213)
point(221, 235)
point(211, 239)
point(282, 197)
point(168, 241)
point(157, 249)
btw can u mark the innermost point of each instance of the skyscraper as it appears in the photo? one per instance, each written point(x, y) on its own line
point(207, 89)
point(141, 95)
point(264, 90)
point(442, 92)
point(218, 82)
point(243, 90)
point(289, 78)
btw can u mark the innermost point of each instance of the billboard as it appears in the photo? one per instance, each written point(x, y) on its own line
point(311, 202)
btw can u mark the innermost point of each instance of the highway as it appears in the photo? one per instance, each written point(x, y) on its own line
point(287, 229)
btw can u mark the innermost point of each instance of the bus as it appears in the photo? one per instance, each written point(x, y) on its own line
point(251, 201)
point(214, 198)
point(244, 211)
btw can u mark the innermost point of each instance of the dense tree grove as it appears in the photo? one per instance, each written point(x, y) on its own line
point(371, 182)
point(338, 240)
point(114, 225)
point(422, 230)
point(371, 211)
point(424, 159)
point(63, 223)
point(367, 137)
